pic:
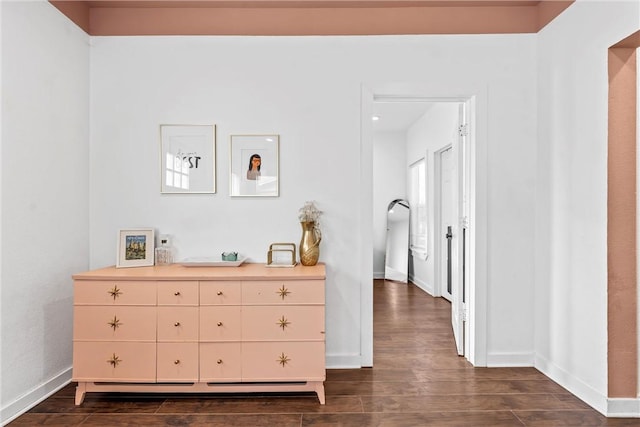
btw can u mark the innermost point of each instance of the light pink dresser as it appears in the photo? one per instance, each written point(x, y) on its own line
point(199, 329)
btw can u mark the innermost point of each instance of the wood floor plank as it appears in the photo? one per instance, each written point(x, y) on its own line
point(265, 405)
point(193, 420)
point(481, 402)
point(439, 419)
point(443, 387)
point(51, 420)
point(578, 418)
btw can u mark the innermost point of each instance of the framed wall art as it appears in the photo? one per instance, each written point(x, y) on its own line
point(188, 159)
point(135, 247)
point(254, 166)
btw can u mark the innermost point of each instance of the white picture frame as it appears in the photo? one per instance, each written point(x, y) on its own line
point(247, 151)
point(136, 247)
point(187, 159)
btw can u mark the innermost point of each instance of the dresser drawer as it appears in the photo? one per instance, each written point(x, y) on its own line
point(281, 323)
point(283, 292)
point(177, 362)
point(220, 292)
point(177, 323)
point(220, 323)
point(114, 323)
point(95, 292)
point(283, 361)
point(178, 293)
point(114, 361)
point(220, 362)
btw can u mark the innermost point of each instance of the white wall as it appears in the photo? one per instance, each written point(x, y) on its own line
point(571, 196)
point(436, 129)
point(389, 183)
point(44, 196)
point(292, 86)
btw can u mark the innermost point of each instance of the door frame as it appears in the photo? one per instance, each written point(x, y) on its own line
point(475, 97)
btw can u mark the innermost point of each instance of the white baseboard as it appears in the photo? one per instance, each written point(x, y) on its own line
point(34, 396)
point(378, 274)
point(343, 361)
point(582, 391)
point(428, 288)
point(623, 408)
point(509, 360)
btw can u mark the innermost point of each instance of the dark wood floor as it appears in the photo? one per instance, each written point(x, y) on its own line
point(417, 380)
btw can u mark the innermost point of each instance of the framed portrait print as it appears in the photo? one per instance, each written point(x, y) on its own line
point(255, 165)
point(135, 247)
point(188, 159)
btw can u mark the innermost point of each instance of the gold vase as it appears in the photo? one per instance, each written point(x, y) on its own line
point(309, 244)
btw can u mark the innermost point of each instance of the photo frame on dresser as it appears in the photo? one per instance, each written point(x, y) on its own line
point(255, 166)
point(135, 247)
point(187, 159)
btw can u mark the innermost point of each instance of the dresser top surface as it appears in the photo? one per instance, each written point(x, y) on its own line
point(246, 271)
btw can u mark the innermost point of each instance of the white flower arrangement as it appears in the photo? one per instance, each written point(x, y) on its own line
point(309, 213)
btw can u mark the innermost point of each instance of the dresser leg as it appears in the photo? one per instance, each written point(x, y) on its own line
point(80, 392)
point(320, 392)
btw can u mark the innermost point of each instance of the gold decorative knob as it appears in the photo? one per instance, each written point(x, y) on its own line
point(283, 359)
point(177, 293)
point(283, 292)
point(176, 324)
point(115, 292)
point(283, 323)
point(219, 323)
point(115, 323)
point(219, 362)
point(114, 361)
point(176, 362)
point(219, 292)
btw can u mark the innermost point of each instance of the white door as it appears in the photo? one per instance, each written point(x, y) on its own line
point(446, 220)
point(458, 231)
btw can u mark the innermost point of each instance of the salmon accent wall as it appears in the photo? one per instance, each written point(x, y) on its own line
point(317, 17)
point(622, 314)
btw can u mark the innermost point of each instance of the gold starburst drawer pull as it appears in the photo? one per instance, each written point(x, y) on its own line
point(115, 323)
point(115, 292)
point(114, 361)
point(283, 359)
point(283, 292)
point(283, 322)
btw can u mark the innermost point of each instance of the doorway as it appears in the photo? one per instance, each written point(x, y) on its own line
point(473, 321)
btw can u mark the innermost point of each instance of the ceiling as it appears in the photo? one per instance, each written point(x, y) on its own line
point(310, 17)
point(398, 116)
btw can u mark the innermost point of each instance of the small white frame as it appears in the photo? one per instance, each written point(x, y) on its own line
point(262, 183)
point(187, 159)
point(136, 247)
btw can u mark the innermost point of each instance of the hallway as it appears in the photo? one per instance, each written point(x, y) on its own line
point(417, 380)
